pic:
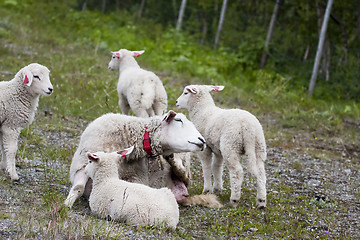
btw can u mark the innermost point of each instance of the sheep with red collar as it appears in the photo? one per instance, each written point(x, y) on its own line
point(18, 102)
point(138, 89)
point(229, 133)
point(133, 203)
point(154, 136)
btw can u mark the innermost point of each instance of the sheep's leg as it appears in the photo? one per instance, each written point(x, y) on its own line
point(159, 108)
point(78, 187)
point(261, 181)
point(124, 105)
point(140, 112)
point(3, 157)
point(205, 158)
point(217, 168)
point(150, 112)
point(9, 138)
point(236, 176)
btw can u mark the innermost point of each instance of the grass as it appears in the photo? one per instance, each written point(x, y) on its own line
point(307, 138)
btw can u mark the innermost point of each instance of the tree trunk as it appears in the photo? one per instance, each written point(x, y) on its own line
point(103, 7)
point(142, 5)
point(84, 5)
point(181, 15)
point(269, 34)
point(221, 21)
point(320, 48)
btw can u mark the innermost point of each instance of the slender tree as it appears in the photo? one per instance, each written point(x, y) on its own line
point(269, 34)
point(221, 21)
point(141, 10)
point(320, 47)
point(181, 15)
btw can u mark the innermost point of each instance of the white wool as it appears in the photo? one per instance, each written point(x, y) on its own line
point(18, 102)
point(229, 133)
point(138, 89)
point(133, 203)
point(171, 133)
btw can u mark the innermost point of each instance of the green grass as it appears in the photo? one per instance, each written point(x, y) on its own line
point(76, 47)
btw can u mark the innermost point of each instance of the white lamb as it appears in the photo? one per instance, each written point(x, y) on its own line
point(133, 203)
point(18, 102)
point(138, 89)
point(229, 133)
point(158, 135)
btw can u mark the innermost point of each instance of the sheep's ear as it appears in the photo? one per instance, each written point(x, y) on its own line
point(126, 151)
point(216, 88)
point(117, 54)
point(27, 77)
point(170, 115)
point(138, 53)
point(92, 157)
point(191, 89)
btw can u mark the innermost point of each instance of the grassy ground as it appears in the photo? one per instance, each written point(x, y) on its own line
point(313, 164)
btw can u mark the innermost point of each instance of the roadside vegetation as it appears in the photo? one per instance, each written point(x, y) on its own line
point(313, 143)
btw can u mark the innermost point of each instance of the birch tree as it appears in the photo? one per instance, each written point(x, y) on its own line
point(221, 21)
point(320, 47)
point(181, 15)
point(269, 34)
point(141, 10)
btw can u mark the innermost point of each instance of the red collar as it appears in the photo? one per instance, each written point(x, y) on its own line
point(147, 142)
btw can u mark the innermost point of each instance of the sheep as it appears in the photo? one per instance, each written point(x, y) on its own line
point(229, 133)
point(19, 99)
point(154, 136)
point(119, 200)
point(138, 89)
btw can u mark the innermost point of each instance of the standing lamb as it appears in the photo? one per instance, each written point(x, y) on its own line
point(158, 135)
point(138, 89)
point(123, 201)
point(229, 133)
point(18, 102)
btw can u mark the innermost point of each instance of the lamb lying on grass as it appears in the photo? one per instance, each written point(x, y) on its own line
point(138, 89)
point(229, 133)
point(123, 201)
point(18, 102)
point(158, 135)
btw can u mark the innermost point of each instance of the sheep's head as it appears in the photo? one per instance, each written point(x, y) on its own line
point(178, 134)
point(118, 56)
point(193, 93)
point(95, 160)
point(36, 78)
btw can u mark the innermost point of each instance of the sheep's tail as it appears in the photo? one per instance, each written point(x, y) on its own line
point(205, 200)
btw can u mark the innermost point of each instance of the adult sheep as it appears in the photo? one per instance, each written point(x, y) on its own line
point(138, 89)
point(18, 102)
point(229, 133)
point(119, 200)
point(158, 135)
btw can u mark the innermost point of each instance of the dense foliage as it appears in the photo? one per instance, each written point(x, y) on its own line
point(292, 47)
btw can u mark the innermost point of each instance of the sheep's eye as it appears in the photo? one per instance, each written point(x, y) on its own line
point(36, 76)
point(178, 120)
point(185, 93)
point(113, 56)
point(90, 161)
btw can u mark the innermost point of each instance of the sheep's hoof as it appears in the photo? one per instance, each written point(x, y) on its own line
point(206, 191)
point(234, 203)
point(14, 178)
point(261, 204)
point(217, 191)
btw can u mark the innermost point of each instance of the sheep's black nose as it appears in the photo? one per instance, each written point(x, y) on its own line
point(50, 89)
